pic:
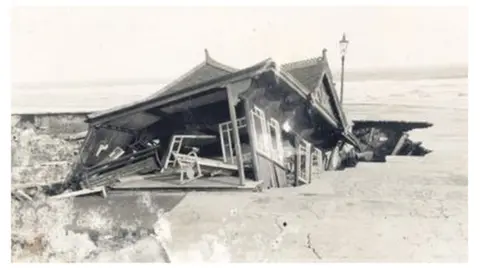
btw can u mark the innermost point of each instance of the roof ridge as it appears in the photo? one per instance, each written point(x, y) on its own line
point(212, 62)
point(179, 79)
point(302, 63)
point(207, 61)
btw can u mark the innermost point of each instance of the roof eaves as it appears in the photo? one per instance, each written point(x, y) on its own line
point(179, 79)
point(208, 61)
point(212, 62)
point(257, 68)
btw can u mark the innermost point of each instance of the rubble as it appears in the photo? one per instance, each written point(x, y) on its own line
point(384, 138)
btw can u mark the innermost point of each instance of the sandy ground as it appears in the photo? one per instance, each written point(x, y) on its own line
point(405, 210)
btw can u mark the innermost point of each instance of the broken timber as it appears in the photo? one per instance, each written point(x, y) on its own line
point(86, 191)
point(399, 144)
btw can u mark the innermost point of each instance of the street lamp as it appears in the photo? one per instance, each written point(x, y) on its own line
point(343, 50)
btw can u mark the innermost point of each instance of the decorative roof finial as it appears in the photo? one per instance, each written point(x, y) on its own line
point(324, 53)
point(207, 55)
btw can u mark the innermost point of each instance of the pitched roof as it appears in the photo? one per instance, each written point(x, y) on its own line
point(207, 70)
point(307, 71)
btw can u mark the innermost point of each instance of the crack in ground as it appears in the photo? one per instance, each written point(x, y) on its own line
point(309, 246)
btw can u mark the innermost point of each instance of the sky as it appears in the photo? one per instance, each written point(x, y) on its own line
point(91, 44)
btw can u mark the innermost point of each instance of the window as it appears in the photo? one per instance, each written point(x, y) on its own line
point(317, 162)
point(226, 139)
point(303, 154)
point(276, 140)
point(262, 138)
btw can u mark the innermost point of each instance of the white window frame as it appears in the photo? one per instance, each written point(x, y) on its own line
point(317, 163)
point(227, 141)
point(303, 149)
point(276, 141)
point(263, 144)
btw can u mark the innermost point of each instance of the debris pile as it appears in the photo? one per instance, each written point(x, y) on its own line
point(384, 138)
point(39, 160)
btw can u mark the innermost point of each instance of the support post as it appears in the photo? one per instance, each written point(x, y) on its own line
point(298, 163)
point(236, 135)
point(251, 137)
point(222, 141)
point(308, 163)
point(341, 80)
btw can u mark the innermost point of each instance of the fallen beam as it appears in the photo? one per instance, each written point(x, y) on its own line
point(74, 137)
point(20, 194)
point(399, 144)
point(81, 192)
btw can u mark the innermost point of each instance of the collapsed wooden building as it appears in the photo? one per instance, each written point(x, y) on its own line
point(218, 127)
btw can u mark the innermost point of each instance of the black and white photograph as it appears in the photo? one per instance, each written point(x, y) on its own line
point(239, 134)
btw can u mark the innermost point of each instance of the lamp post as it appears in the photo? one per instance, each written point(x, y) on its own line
point(343, 50)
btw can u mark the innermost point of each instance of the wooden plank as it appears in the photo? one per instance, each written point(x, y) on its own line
point(74, 137)
point(190, 136)
point(335, 154)
point(230, 148)
point(21, 194)
point(331, 158)
point(297, 161)
point(399, 144)
point(222, 142)
point(281, 176)
point(119, 129)
point(251, 136)
point(265, 171)
point(236, 134)
point(206, 162)
point(81, 192)
point(273, 175)
point(131, 178)
point(370, 136)
point(308, 162)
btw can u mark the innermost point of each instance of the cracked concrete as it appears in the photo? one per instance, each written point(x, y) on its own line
point(405, 210)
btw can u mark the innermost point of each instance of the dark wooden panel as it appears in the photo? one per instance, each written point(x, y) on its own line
point(266, 172)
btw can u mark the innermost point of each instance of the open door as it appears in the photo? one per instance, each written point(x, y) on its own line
point(317, 163)
point(303, 162)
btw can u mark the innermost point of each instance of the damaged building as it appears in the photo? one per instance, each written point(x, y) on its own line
point(264, 126)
